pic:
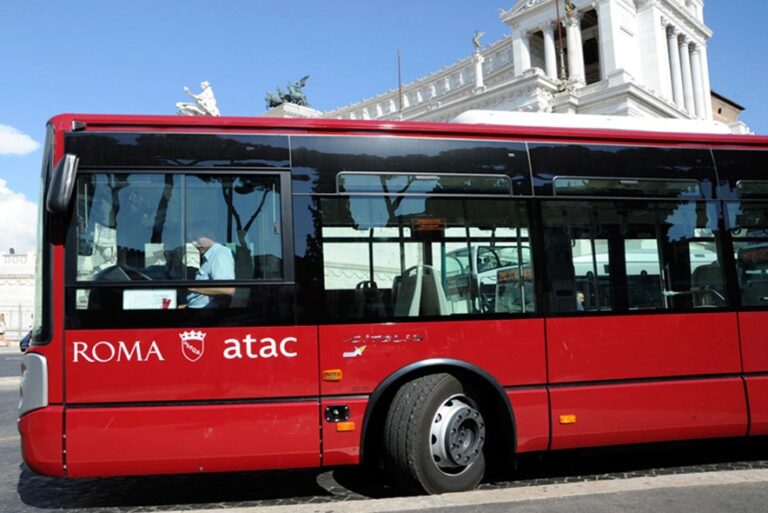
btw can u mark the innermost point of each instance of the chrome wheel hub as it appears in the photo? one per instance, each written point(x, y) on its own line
point(457, 435)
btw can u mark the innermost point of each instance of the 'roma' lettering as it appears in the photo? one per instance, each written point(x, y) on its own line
point(253, 348)
point(105, 352)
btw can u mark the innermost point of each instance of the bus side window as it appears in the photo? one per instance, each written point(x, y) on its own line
point(427, 257)
point(154, 229)
point(630, 255)
point(748, 223)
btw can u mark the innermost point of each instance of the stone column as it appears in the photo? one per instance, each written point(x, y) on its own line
point(575, 49)
point(608, 27)
point(479, 84)
point(521, 53)
point(698, 86)
point(705, 83)
point(674, 64)
point(550, 52)
point(685, 64)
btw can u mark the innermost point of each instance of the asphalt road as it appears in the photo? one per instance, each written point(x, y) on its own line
point(350, 489)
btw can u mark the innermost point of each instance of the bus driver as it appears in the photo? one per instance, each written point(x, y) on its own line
point(216, 263)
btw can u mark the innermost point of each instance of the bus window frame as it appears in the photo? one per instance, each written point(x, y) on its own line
point(524, 204)
point(425, 175)
point(42, 331)
point(71, 284)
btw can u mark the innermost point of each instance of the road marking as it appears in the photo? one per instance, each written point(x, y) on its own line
point(9, 382)
point(8, 439)
point(512, 495)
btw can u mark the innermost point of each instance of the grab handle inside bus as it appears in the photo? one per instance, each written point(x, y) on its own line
point(62, 185)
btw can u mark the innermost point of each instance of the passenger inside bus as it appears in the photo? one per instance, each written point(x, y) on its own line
point(216, 263)
point(580, 301)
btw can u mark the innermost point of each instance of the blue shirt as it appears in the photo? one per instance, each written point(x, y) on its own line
point(217, 263)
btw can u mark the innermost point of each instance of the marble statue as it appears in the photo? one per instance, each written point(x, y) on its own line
point(205, 103)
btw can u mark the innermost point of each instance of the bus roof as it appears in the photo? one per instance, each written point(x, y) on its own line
point(593, 121)
point(153, 123)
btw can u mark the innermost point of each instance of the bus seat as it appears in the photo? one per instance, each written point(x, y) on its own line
point(368, 300)
point(408, 298)
point(708, 280)
point(420, 293)
point(433, 301)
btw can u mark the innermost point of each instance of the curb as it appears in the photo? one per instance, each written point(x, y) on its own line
point(513, 495)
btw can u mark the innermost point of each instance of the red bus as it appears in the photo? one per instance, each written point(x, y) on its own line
point(227, 294)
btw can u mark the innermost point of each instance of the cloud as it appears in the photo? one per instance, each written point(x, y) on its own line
point(13, 142)
point(18, 220)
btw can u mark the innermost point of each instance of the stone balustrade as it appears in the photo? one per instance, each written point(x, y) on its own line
point(451, 83)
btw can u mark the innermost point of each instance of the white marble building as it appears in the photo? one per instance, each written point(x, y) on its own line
point(641, 58)
point(17, 292)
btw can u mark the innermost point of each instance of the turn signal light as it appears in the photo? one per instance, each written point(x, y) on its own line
point(567, 419)
point(345, 426)
point(332, 375)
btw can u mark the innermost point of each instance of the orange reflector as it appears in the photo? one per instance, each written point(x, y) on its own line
point(345, 426)
point(567, 419)
point(332, 375)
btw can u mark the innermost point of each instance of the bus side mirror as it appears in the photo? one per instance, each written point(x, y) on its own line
point(62, 185)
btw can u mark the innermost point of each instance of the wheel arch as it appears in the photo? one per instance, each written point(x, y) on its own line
point(469, 374)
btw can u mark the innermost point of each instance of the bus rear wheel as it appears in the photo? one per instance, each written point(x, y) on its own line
point(434, 436)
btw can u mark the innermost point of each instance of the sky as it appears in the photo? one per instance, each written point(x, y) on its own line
point(136, 56)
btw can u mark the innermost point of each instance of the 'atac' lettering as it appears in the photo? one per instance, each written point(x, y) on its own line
point(252, 348)
point(105, 352)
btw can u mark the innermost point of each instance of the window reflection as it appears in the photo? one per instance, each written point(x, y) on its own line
point(748, 223)
point(136, 227)
point(411, 257)
point(633, 255)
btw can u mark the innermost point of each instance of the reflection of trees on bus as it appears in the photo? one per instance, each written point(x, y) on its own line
point(417, 262)
point(134, 226)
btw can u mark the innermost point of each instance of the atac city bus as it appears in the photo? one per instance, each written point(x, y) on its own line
point(405, 293)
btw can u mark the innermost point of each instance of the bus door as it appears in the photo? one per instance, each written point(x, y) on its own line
point(182, 349)
point(748, 226)
point(640, 348)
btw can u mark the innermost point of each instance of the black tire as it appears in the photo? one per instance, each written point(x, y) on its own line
point(434, 437)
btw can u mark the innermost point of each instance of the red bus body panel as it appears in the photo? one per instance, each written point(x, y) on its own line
point(754, 342)
point(648, 412)
point(511, 351)
point(191, 439)
point(272, 371)
point(638, 347)
point(42, 440)
point(531, 410)
point(343, 447)
point(586, 351)
point(161, 366)
point(757, 391)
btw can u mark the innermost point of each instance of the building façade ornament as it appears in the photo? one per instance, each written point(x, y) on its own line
point(476, 41)
point(294, 95)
